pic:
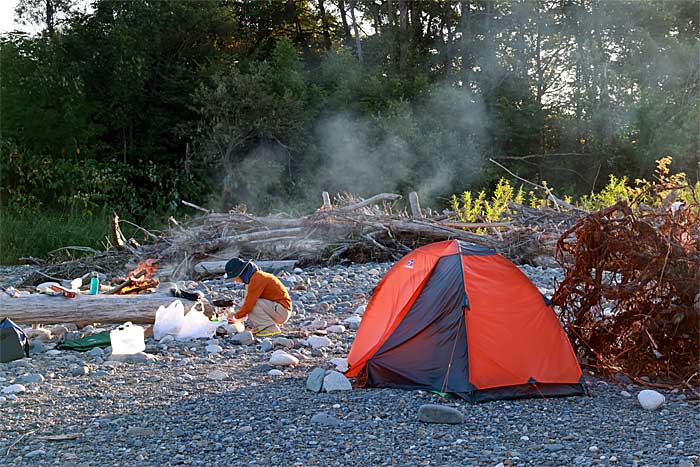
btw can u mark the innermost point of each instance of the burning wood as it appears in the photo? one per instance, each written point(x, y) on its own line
point(139, 280)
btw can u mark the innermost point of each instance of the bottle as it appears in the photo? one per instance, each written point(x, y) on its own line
point(94, 284)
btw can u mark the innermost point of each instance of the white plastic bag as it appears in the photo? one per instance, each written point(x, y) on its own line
point(169, 320)
point(196, 325)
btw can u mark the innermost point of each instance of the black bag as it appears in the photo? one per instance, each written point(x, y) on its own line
point(14, 343)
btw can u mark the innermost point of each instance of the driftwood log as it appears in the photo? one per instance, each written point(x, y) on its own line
point(219, 267)
point(46, 309)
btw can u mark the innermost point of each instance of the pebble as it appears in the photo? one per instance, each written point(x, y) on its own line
point(53, 353)
point(554, 447)
point(282, 342)
point(35, 453)
point(217, 375)
point(266, 345)
point(79, 371)
point(625, 394)
point(138, 357)
point(31, 378)
point(336, 329)
point(336, 381)
point(433, 413)
point(166, 339)
point(353, 322)
point(318, 324)
point(263, 420)
point(275, 372)
point(341, 364)
point(650, 399)
point(213, 348)
point(323, 418)
point(96, 352)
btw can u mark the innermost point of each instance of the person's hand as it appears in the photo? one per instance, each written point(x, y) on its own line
point(239, 315)
point(231, 317)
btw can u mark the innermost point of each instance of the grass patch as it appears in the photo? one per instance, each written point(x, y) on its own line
point(36, 235)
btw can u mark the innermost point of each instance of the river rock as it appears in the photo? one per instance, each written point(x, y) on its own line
point(319, 342)
point(353, 322)
point(282, 358)
point(433, 413)
point(317, 324)
point(138, 357)
point(336, 329)
point(341, 364)
point(38, 334)
point(650, 399)
point(243, 338)
point(315, 380)
point(322, 418)
point(30, 378)
point(282, 342)
point(335, 381)
point(13, 389)
point(266, 345)
point(213, 348)
point(217, 375)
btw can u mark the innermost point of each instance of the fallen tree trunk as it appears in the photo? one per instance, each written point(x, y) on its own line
point(46, 309)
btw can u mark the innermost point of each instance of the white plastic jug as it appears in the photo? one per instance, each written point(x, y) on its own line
point(127, 339)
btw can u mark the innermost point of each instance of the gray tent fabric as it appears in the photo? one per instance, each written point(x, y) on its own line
point(409, 359)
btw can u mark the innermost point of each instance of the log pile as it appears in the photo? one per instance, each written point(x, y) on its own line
point(351, 229)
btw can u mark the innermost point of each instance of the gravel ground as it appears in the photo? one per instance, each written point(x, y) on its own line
point(189, 407)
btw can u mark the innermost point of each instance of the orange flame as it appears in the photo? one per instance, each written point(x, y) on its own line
point(143, 271)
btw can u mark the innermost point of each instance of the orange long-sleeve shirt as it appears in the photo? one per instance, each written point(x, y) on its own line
point(267, 286)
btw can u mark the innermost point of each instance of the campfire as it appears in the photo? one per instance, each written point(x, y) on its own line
point(139, 280)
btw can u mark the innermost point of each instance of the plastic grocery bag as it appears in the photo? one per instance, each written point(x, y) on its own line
point(169, 320)
point(196, 325)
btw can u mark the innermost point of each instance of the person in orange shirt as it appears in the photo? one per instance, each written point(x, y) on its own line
point(267, 303)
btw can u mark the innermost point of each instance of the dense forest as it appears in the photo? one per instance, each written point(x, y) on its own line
point(136, 105)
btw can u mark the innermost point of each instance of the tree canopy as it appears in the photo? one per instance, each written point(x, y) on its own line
point(137, 105)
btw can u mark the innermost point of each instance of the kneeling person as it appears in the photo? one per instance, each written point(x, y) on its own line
point(267, 303)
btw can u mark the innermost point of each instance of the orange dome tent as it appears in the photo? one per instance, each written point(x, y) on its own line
point(459, 318)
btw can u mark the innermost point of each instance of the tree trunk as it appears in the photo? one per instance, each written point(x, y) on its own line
point(324, 23)
point(50, 17)
point(448, 48)
point(402, 36)
point(465, 42)
point(344, 21)
point(45, 309)
point(356, 30)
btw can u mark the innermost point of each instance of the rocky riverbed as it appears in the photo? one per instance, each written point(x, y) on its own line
point(221, 402)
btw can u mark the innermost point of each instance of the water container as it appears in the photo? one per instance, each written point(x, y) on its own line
point(94, 284)
point(127, 339)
